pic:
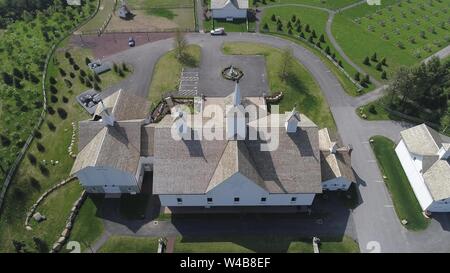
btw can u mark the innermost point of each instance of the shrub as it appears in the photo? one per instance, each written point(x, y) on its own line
point(384, 75)
point(374, 57)
point(379, 67)
point(273, 18)
point(366, 61)
point(266, 27)
point(372, 109)
point(40, 147)
point(357, 76)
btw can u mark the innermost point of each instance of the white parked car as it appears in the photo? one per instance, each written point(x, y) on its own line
point(218, 31)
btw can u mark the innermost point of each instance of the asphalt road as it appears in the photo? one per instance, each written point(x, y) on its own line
point(377, 226)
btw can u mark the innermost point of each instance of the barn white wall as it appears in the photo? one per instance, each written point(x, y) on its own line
point(339, 183)
point(414, 176)
point(229, 11)
point(107, 180)
point(237, 185)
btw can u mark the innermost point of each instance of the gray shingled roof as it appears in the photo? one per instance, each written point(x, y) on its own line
point(194, 167)
point(124, 106)
point(422, 140)
point(114, 146)
point(437, 179)
point(87, 130)
point(218, 4)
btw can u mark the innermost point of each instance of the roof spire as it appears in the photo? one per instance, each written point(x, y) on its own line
point(237, 95)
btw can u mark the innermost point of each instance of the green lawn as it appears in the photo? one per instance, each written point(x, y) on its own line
point(88, 227)
point(375, 110)
point(23, 49)
point(300, 88)
point(234, 26)
point(149, 4)
point(393, 31)
point(405, 202)
point(167, 72)
point(106, 8)
point(34, 176)
point(268, 244)
point(330, 4)
point(316, 19)
point(124, 244)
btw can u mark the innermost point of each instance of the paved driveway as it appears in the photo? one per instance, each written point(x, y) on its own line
point(375, 219)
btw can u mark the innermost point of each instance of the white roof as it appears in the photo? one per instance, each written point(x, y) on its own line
point(422, 140)
point(219, 4)
point(74, 2)
point(437, 179)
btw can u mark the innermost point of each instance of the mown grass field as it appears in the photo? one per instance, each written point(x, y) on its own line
point(330, 4)
point(36, 173)
point(270, 244)
point(23, 49)
point(230, 244)
point(405, 202)
point(105, 9)
point(124, 244)
point(403, 32)
point(167, 72)
point(156, 15)
point(299, 89)
point(316, 20)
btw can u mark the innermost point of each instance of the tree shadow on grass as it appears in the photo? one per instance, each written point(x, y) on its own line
point(189, 60)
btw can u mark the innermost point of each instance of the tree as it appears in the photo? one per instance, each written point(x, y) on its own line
point(366, 61)
point(266, 27)
point(384, 75)
point(299, 28)
point(302, 35)
point(273, 18)
point(314, 34)
point(180, 45)
point(327, 50)
point(322, 38)
point(307, 28)
point(379, 67)
point(289, 25)
point(374, 57)
point(357, 76)
point(293, 18)
point(290, 31)
point(7, 79)
point(87, 60)
point(286, 63)
point(384, 62)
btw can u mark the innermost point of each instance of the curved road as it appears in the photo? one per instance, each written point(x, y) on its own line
point(375, 219)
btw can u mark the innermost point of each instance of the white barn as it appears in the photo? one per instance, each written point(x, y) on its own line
point(112, 154)
point(234, 171)
point(119, 144)
point(229, 9)
point(425, 158)
point(337, 172)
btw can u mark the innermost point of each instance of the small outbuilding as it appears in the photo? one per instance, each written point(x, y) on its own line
point(124, 12)
point(229, 9)
point(73, 2)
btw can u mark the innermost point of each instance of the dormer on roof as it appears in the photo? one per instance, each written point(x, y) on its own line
point(107, 116)
point(292, 120)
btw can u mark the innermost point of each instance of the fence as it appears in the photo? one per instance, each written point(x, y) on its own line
point(340, 68)
point(30, 138)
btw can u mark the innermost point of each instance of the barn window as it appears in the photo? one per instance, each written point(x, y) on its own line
point(293, 199)
point(209, 200)
point(263, 199)
point(236, 200)
point(179, 200)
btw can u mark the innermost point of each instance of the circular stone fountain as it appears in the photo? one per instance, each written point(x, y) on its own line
point(232, 73)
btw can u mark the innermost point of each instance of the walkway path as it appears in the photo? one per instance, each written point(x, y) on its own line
point(375, 219)
point(199, 15)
